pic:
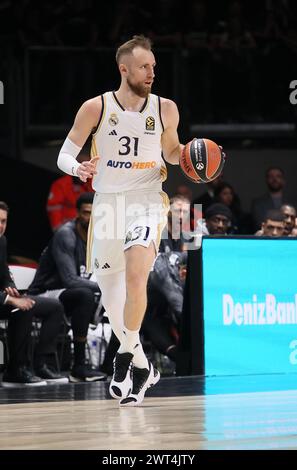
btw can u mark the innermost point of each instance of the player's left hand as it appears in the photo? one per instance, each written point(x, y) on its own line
point(223, 153)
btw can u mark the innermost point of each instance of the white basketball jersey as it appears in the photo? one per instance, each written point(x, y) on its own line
point(129, 146)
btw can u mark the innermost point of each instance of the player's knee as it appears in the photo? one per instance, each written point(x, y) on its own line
point(136, 283)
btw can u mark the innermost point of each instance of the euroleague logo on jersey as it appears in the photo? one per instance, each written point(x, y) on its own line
point(150, 123)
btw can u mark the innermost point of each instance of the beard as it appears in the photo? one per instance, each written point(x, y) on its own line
point(139, 89)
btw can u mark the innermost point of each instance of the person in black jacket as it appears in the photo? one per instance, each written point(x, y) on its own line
point(208, 197)
point(19, 310)
point(165, 284)
point(62, 274)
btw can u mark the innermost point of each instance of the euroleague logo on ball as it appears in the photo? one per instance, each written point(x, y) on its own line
point(200, 166)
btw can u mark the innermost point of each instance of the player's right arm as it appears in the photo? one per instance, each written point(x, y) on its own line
point(170, 142)
point(85, 121)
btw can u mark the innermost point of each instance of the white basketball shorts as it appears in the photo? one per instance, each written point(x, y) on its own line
point(122, 220)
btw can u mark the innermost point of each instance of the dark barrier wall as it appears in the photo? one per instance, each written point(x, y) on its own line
point(191, 347)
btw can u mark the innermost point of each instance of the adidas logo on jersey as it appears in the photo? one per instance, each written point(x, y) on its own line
point(113, 133)
point(106, 266)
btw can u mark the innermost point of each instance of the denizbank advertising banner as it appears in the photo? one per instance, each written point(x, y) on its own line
point(250, 305)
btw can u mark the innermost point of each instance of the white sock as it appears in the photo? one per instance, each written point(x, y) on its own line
point(113, 290)
point(130, 339)
point(131, 343)
point(139, 359)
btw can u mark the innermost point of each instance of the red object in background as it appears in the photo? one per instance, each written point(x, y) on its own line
point(61, 202)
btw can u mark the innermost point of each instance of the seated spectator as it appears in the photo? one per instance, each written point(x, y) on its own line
point(294, 232)
point(273, 225)
point(225, 194)
point(62, 274)
point(290, 215)
point(184, 190)
point(166, 282)
point(195, 212)
point(19, 310)
point(3, 217)
point(61, 202)
point(274, 199)
point(208, 197)
point(161, 323)
point(178, 221)
point(218, 220)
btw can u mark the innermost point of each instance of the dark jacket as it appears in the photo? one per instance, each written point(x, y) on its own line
point(164, 279)
point(5, 277)
point(205, 200)
point(261, 205)
point(63, 263)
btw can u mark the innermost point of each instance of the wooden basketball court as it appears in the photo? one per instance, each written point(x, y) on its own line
point(185, 413)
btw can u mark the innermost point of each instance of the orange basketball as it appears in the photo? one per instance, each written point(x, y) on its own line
point(202, 160)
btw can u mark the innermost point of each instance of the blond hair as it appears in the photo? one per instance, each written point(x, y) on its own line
point(129, 46)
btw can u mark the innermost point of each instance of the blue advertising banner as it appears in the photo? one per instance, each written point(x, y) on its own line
point(250, 305)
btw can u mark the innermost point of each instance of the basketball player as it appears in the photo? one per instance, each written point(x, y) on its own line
point(131, 127)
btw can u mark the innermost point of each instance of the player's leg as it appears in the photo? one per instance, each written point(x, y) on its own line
point(113, 290)
point(139, 261)
point(141, 246)
point(108, 264)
